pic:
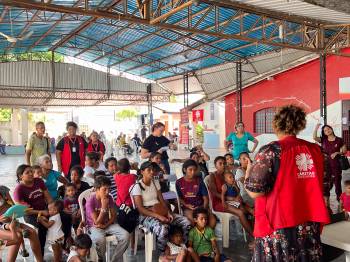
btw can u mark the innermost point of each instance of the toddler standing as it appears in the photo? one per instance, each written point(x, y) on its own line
point(55, 235)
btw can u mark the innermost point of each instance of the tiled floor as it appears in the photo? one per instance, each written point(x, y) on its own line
point(238, 250)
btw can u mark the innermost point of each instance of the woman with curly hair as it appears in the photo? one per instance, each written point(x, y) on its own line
point(286, 180)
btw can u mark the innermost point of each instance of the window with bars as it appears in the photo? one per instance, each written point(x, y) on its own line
point(263, 120)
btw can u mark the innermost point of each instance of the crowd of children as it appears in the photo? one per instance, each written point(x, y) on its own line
point(137, 195)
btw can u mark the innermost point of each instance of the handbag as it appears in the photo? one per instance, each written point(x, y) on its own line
point(128, 217)
point(343, 162)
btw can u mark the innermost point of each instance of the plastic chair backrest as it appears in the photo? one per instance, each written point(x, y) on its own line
point(84, 196)
point(132, 199)
point(206, 183)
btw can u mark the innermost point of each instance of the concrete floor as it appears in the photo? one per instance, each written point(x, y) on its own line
point(238, 250)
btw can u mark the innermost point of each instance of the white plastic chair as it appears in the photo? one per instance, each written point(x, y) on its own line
point(150, 238)
point(110, 238)
point(225, 219)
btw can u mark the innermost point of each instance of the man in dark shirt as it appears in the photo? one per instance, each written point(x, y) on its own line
point(156, 142)
point(75, 143)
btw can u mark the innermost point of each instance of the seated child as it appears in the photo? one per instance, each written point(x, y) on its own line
point(37, 171)
point(92, 164)
point(193, 192)
point(240, 177)
point(202, 239)
point(81, 248)
point(176, 250)
point(156, 157)
point(100, 220)
point(345, 199)
point(71, 204)
point(55, 235)
point(112, 168)
point(230, 194)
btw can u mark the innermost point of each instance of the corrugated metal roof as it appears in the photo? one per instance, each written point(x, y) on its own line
point(300, 8)
point(220, 80)
point(157, 53)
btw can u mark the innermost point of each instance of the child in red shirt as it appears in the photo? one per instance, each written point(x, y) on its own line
point(345, 199)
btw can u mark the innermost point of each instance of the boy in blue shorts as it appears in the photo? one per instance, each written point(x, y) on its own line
point(202, 239)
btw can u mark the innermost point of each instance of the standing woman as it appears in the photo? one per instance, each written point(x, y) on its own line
point(239, 140)
point(156, 142)
point(51, 177)
point(33, 193)
point(286, 181)
point(96, 145)
point(333, 147)
point(70, 150)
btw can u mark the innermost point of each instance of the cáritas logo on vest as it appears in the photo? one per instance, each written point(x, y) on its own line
point(305, 164)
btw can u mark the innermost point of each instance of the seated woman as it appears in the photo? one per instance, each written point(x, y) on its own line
point(154, 213)
point(33, 193)
point(192, 192)
point(230, 162)
point(216, 181)
point(51, 177)
point(21, 230)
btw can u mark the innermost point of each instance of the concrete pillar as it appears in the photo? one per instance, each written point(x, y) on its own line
point(19, 126)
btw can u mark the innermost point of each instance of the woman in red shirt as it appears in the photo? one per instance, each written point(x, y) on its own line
point(96, 145)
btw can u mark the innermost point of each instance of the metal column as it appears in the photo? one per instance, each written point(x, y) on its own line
point(185, 90)
point(239, 92)
point(149, 100)
point(323, 88)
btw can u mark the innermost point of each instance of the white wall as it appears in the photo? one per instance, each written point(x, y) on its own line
point(218, 122)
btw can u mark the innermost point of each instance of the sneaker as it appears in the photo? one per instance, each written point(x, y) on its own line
point(24, 253)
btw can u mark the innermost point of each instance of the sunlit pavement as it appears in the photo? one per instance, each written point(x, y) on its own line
point(238, 250)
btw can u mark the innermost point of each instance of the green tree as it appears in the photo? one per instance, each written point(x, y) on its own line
point(39, 56)
point(126, 114)
point(5, 114)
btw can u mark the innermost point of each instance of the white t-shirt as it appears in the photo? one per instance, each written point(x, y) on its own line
point(89, 172)
point(243, 192)
point(149, 194)
point(55, 232)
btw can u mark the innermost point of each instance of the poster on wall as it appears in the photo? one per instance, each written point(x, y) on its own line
point(184, 121)
point(198, 115)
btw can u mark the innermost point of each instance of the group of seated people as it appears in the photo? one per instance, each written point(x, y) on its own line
point(123, 196)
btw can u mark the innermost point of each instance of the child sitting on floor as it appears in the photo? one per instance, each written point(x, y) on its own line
point(230, 194)
point(345, 199)
point(71, 204)
point(55, 235)
point(176, 250)
point(81, 248)
point(203, 241)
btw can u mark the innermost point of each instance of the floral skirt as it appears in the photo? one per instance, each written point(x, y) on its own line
point(301, 243)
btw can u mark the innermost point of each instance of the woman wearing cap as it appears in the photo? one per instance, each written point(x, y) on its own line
point(286, 181)
point(154, 213)
point(156, 142)
point(239, 140)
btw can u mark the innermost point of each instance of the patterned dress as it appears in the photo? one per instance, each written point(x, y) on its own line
point(300, 243)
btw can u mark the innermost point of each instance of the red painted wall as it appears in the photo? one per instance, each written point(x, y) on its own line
point(299, 86)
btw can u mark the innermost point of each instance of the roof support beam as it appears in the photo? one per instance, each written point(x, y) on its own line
point(171, 12)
